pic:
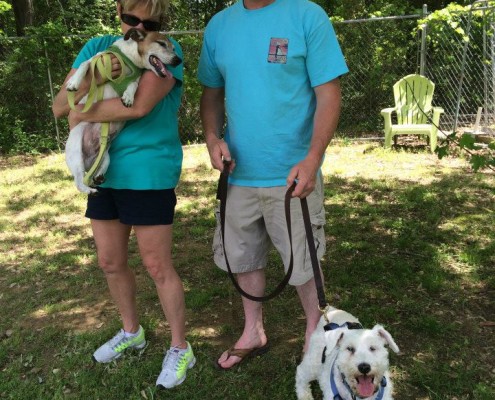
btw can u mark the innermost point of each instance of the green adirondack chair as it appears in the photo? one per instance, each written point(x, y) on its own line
point(413, 96)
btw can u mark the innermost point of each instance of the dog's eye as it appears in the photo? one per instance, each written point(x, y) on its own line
point(351, 349)
point(372, 348)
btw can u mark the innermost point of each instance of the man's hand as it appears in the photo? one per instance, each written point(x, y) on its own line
point(219, 151)
point(305, 173)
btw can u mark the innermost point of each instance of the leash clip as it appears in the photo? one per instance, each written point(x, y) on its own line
point(324, 310)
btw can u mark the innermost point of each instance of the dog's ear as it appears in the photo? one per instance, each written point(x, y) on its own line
point(333, 337)
point(339, 338)
point(383, 333)
point(135, 34)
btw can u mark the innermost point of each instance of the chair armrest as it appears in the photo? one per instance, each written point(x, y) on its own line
point(437, 111)
point(387, 111)
point(387, 117)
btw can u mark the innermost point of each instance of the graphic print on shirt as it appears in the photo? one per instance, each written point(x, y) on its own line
point(277, 52)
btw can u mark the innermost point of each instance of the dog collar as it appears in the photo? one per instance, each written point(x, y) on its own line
point(121, 85)
point(337, 395)
point(349, 325)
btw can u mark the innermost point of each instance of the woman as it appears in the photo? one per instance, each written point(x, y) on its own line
point(138, 193)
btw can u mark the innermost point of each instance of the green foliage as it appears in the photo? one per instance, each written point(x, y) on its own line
point(4, 6)
point(26, 119)
point(479, 156)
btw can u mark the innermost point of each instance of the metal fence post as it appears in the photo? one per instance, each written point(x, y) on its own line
point(51, 91)
point(422, 61)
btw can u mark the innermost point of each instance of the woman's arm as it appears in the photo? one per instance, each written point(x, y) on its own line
point(150, 91)
point(60, 106)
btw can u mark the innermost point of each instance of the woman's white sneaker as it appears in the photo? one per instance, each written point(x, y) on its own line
point(115, 347)
point(174, 367)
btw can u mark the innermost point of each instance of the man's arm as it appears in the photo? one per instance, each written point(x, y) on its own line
point(326, 117)
point(212, 111)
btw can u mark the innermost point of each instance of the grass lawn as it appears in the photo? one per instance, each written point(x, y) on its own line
point(410, 245)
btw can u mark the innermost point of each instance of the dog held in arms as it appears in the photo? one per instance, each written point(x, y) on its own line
point(348, 361)
point(152, 51)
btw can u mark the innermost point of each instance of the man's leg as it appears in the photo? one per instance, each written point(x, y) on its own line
point(253, 335)
point(309, 300)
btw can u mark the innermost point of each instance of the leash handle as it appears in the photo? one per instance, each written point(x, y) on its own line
point(222, 196)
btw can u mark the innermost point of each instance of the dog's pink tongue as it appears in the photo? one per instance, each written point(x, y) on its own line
point(365, 386)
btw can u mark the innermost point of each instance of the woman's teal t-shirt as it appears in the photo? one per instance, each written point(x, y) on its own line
point(147, 153)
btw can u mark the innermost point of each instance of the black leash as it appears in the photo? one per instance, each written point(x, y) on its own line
point(223, 184)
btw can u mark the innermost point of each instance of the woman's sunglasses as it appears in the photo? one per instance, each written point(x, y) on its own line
point(148, 24)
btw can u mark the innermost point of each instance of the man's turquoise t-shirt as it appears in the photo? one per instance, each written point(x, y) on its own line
point(147, 153)
point(269, 60)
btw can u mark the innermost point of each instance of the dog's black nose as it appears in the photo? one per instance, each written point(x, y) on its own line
point(364, 368)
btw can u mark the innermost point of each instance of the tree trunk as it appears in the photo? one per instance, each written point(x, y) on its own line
point(24, 13)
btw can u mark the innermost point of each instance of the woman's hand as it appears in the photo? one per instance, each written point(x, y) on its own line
point(115, 71)
point(74, 117)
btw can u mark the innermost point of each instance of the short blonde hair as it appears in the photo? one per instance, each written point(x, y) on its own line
point(157, 8)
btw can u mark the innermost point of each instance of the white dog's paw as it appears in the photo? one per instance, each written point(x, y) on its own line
point(72, 84)
point(129, 93)
point(85, 189)
point(305, 396)
point(303, 388)
point(127, 100)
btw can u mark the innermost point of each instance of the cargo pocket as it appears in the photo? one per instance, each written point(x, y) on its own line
point(317, 226)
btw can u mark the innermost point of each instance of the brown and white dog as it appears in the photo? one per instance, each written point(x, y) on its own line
point(152, 51)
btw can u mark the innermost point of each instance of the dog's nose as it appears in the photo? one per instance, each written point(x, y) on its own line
point(364, 368)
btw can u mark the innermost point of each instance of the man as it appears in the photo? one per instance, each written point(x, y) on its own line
point(272, 66)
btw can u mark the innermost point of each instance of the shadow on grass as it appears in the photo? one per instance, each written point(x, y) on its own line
point(416, 258)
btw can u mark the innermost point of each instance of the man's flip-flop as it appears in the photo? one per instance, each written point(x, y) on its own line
point(243, 354)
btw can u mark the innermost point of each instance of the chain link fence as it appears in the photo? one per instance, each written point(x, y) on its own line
point(376, 62)
point(460, 59)
point(458, 56)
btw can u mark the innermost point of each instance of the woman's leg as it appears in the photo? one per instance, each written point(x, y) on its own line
point(111, 238)
point(155, 246)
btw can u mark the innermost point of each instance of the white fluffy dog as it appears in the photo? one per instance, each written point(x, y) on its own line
point(348, 361)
